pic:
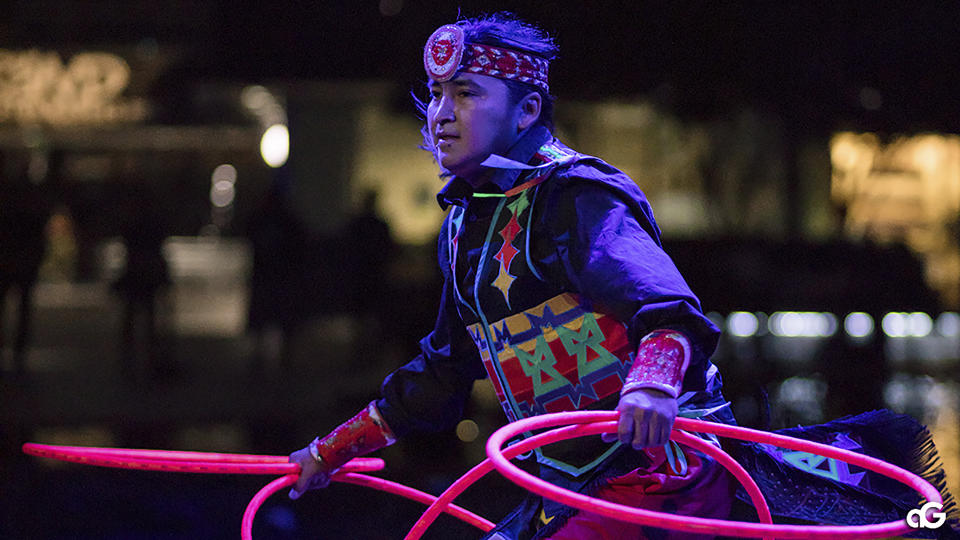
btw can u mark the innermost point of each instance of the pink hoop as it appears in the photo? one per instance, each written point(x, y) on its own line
point(466, 516)
point(687, 523)
point(66, 452)
point(569, 432)
point(209, 462)
point(250, 512)
point(183, 462)
point(246, 524)
point(584, 423)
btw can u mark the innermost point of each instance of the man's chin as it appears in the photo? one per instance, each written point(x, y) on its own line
point(452, 167)
point(462, 169)
point(447, 161)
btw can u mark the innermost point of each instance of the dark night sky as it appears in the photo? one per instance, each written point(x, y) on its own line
point(806, 61)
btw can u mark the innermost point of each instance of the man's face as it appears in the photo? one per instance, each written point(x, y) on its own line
point(469, 118)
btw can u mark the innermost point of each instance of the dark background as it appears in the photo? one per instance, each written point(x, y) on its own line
point(806, 60)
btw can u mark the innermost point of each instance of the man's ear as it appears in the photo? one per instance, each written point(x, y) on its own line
point(530, 107)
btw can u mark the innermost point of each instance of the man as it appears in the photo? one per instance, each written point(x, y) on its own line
point(555, 287)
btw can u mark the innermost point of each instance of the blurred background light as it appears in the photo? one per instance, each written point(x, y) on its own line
point(800, 399)
point(918, 395)
point(742, 324)
point(858, 324)
point(787, 324)
point(468, 430)
point(875, 197)
point(827, 324)
point(802, 324)
point(270, 113)
point(255, 98)
point(919, 324)
point(222, 193)
point(802, 390)
point(898, 393)
point(900, 325)
point(390, 8)
point(948, 324)
point(225, 173)
point(894, 325)
point(222, 185)
point(275, 145)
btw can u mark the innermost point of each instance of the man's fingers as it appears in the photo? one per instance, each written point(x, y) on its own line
point(665, 429)
point(643, 429)
point(626, 427)
point(646, 419)
point(658, 436)
point(298, 489)
point(642, 433)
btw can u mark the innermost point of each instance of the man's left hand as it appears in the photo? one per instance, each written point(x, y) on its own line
point(646, 418)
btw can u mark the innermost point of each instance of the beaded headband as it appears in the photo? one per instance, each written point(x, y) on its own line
point(447, 53)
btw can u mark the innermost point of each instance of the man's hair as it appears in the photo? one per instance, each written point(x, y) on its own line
point(504, 29)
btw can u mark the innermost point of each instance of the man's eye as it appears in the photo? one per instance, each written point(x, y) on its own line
point(466, 93)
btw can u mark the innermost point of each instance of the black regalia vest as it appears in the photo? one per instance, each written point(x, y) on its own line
point(545, 348)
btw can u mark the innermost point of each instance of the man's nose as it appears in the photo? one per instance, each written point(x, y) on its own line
point(445, 110)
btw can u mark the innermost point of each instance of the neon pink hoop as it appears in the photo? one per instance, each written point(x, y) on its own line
point(466, 516)
point(209, 462)
point(246, 525)
point(585, 423)
point(569, 432)
point(183, 462)
point(592, 425)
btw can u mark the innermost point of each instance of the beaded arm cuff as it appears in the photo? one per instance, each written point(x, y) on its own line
point(362, 434)
point(661, 360)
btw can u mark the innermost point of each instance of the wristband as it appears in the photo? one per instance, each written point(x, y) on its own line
point(362, 434)
point(662, 359)
point(314, 451)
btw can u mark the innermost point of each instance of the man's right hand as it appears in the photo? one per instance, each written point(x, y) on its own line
point(312, 474)
point(358, 436)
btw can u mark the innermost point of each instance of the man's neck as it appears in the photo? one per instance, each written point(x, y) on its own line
point(484, 175)
point(493, 179)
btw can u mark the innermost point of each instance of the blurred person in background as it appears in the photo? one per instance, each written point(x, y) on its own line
point(370, 251)
point(279, 241)
point(144, 280)
point(24, 211)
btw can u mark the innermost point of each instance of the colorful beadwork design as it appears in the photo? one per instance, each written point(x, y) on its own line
point(443, 52)
point(830, 468)
point(557, 356)
point(446, 53)
point(508, 251)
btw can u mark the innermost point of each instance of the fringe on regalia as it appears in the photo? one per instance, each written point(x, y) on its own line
point(805, 487)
